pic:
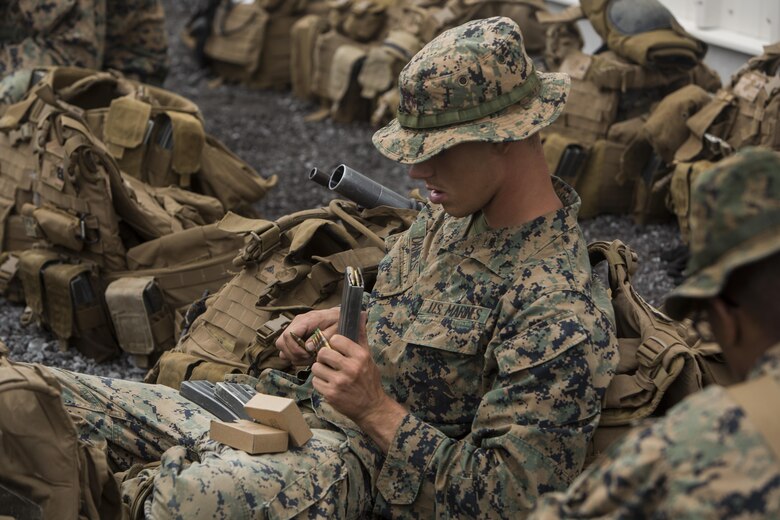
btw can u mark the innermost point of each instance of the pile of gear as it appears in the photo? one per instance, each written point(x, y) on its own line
point(645, 116)
point(345, 54)
point(111, 191)
point(646, 56)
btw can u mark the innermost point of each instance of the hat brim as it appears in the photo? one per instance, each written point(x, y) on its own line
point(709, 282)
point(514, 123)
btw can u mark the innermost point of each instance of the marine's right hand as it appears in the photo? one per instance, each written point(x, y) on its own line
point(303, 326)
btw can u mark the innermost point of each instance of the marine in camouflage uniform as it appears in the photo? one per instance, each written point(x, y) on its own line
point(126, 35)
point(710, 457)
point(486, 351)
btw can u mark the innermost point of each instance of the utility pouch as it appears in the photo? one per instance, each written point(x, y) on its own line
point(679, 198)
point(81, 320)
point(236, 40)
point(32, 264)
point(175, 367)
point(273, 70)
point(364, 20)
point(141, 318)
point(60, 227)
point(304, 34)
point(565, 156)
point(598, 185)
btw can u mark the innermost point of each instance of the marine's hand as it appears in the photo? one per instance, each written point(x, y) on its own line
point(303, 326)
point(350, 381)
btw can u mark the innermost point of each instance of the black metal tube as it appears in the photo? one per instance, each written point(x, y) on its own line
point(364, 191)
point(319, 177)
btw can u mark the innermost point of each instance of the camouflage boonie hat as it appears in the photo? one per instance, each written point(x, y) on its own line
point(474, 82)
point(735, 220)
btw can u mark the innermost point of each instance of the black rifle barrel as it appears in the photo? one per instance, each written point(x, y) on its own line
point(364, 191)
point(319, 177)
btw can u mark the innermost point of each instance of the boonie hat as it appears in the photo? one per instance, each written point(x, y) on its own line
point(474, 82)
point(735, 220)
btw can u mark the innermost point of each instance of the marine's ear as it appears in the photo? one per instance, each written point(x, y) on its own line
point(723, 321)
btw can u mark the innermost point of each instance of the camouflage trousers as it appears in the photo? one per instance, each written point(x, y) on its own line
point(199, 478)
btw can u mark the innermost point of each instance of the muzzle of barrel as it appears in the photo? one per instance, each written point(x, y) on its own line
point(319, 177)
point(364, 191)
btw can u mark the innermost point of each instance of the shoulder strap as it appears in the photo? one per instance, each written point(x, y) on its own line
point(752, 396)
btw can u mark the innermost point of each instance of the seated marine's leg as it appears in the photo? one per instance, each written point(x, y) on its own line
point(322, 479)
point(138, 421)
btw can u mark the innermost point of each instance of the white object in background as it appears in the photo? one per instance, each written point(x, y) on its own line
point(707, 13)
point(682, 9)
point(770, 21)
point(757, 18)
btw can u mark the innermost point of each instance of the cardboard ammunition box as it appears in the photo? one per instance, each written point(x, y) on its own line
point(249, 436)
point(281, 413)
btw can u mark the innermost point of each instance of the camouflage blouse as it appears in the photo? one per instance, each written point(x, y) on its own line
point(705, 459)
point(126, 35)
point(500, 347)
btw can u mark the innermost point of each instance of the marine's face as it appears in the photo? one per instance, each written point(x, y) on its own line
point(462, 179)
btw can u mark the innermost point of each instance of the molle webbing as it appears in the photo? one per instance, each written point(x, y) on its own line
point(290, 266)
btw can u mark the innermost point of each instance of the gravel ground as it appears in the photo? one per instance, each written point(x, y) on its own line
point(268, 130)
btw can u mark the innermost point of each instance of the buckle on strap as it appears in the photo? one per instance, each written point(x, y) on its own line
point(8, 269)
point(83, 231)
point(272, 328)
point(651, 351)
point(261, 243)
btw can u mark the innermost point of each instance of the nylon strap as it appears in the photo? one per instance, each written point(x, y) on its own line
point(528, 89)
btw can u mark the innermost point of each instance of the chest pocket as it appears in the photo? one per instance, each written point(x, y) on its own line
point(447, 326)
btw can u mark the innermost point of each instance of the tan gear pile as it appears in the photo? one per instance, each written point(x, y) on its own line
point(346, 54)
point(107, 183)
point(598, 143)
point(249, 41)
point(357, 55)
point(288, 267)
point(42, 457)
point(661, 360)
point(744, 113)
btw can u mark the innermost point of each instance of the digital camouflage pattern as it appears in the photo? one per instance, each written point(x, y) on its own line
point(126, 35)
point(496, 341)
point(735, 220)
point(705, 459)
point(501, 348)
point(471, 83)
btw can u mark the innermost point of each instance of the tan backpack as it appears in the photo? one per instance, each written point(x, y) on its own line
point(42, 457)
point(289, 266)
point(661, 361)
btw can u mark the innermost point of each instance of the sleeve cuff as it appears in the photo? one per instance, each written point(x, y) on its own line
point(410, 454)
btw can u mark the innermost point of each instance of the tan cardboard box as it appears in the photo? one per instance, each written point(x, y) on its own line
point(281, 413)
point(249, 436)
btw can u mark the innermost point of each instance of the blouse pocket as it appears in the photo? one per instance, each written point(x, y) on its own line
point(452, 327)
